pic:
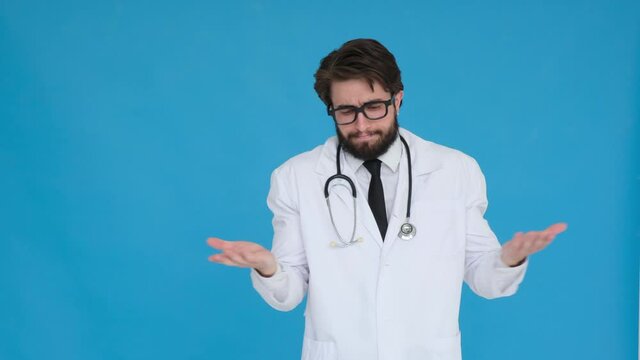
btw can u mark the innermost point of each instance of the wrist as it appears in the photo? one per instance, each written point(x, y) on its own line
point(520, 262)
point(514, 263)
point(507, 258)
point(268, 270)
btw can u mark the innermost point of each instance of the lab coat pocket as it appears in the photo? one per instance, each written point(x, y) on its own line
point(318, 350)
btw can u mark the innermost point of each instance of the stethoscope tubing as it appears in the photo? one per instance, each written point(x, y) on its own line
point(406, 146)
point(406, 235)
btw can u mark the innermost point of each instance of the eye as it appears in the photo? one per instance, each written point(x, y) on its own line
point(374, 106)
point(345, 111)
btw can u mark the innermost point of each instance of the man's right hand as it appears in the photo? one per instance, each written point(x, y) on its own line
point(243, 254)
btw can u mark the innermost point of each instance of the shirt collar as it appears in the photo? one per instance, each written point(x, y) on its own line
point(391, 158)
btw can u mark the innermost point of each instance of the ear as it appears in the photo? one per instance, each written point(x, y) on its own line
point(399, 97)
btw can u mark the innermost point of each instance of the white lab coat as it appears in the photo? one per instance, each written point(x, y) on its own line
point(390, 300)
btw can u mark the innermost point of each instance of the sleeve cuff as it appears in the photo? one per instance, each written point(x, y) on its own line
point(501, 265)
point(273, 279)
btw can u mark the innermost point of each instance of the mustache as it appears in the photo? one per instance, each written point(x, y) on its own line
point(360, 133)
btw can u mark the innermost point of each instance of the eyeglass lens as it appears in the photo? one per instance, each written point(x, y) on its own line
point(372, 111)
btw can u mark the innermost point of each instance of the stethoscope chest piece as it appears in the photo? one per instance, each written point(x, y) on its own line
point(407, 231)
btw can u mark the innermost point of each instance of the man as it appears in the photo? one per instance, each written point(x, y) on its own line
point(384, 269)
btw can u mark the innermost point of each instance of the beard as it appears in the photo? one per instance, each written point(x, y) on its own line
point(366, 151)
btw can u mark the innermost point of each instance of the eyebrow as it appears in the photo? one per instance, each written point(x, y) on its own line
point(342, 106)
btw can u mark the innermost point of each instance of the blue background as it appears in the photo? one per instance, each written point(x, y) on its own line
point(130, 131)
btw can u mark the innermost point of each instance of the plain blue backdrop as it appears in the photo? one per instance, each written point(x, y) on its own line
point(130, 131)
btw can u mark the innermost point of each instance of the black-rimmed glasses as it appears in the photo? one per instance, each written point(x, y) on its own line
point(372, 110)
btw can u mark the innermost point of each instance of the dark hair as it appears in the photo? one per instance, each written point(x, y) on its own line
point(358, 59)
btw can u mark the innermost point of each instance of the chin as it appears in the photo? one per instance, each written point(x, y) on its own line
point(366, 149)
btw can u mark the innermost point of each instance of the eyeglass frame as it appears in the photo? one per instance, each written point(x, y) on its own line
point(360, 109)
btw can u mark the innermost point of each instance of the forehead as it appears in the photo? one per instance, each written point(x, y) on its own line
point(356, 92)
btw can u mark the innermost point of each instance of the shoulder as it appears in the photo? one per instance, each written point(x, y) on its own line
point(459, 169)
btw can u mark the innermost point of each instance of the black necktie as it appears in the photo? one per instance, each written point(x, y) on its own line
point(376, 195)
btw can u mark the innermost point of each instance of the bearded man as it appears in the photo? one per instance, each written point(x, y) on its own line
point(378, 227)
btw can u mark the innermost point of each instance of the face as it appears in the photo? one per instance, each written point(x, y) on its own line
point(365, 139)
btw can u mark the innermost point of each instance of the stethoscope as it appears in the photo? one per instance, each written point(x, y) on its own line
point(407, 230)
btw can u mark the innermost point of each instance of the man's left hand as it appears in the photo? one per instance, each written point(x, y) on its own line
point(516, 250)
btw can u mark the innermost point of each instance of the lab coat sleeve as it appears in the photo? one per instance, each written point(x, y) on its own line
point(485, 273)
point(286, 288)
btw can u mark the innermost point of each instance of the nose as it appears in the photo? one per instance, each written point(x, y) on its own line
point(361, 122)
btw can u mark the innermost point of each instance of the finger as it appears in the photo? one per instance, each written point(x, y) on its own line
point(557, 228)
point(516, 243)
point(548, 237)
point(533, 242)
point(529, 239)
point(539, 244)
point(219, 244)
point(544, 239)
point(220, 258)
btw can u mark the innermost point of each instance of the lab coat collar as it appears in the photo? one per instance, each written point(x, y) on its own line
point(425, 157)
point(391, 158)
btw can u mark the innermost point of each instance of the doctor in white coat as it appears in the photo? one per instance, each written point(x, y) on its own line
point(379, 296)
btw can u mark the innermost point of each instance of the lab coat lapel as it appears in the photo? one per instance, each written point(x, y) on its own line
point(399, 206)
point(325, 168)
point(423, 162)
